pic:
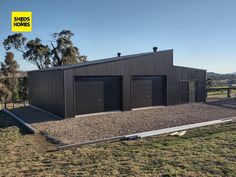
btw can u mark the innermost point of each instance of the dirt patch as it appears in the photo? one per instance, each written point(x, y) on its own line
point(82, 129)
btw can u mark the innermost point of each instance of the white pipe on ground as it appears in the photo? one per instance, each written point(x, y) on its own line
point(131, 136)
point(180, 128)
point(149, 133)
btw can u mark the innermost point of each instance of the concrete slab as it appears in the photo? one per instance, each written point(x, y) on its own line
point(31, 115)
point(23, 123)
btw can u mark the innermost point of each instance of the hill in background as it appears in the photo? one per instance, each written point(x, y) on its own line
point(218, 76)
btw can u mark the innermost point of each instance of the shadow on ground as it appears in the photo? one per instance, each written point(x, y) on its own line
point(31, 115)
point(6, 121)
point(225, 103)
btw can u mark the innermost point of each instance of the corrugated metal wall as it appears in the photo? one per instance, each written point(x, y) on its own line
point(46, 91)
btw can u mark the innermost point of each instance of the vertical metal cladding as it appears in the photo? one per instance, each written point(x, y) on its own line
point(46, 91)
point(150, 64)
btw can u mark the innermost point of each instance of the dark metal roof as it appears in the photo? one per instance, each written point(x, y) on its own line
point(99, 61)
point(94, 62)
point(184, 67)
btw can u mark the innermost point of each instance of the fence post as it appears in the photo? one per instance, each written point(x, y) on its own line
point(228, 92)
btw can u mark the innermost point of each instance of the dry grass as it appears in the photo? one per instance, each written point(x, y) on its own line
point(208, 151)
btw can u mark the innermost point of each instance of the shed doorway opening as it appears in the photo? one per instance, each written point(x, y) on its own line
point(97, 94)
point(148, 91)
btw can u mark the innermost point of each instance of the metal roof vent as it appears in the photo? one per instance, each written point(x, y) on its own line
point(118, 54)
point(155, 49)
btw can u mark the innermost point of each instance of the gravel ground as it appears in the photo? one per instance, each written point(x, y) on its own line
point(82, 129)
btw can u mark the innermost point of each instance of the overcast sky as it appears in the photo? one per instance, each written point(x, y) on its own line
point(202, 33)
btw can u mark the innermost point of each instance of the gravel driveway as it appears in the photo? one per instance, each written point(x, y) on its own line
point(82, 129)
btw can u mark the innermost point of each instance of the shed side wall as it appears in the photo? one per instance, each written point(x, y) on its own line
point(185, 74)
point(46, 91)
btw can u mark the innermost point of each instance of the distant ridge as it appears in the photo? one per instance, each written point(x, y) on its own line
point(214, 75)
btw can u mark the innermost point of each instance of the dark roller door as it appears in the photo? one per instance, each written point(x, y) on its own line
point(147, 91)
point(97, 94)
point(142, 93)
point(89, 97)
point(184, 89)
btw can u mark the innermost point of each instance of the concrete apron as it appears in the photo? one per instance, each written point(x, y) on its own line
point(23, 123)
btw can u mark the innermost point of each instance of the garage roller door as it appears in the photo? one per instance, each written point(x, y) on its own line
point(148, 91)
point(97, 94)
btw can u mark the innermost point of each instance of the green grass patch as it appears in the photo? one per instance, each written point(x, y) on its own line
point(208, 151)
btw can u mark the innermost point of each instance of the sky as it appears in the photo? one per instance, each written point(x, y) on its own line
point(202, 33)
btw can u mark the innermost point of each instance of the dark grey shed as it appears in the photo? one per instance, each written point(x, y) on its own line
point(119, 83)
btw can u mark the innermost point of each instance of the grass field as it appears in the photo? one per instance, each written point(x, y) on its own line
point(209, 151)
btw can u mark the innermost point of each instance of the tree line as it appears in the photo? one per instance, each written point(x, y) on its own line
point(60, 51)
point(12, 87)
